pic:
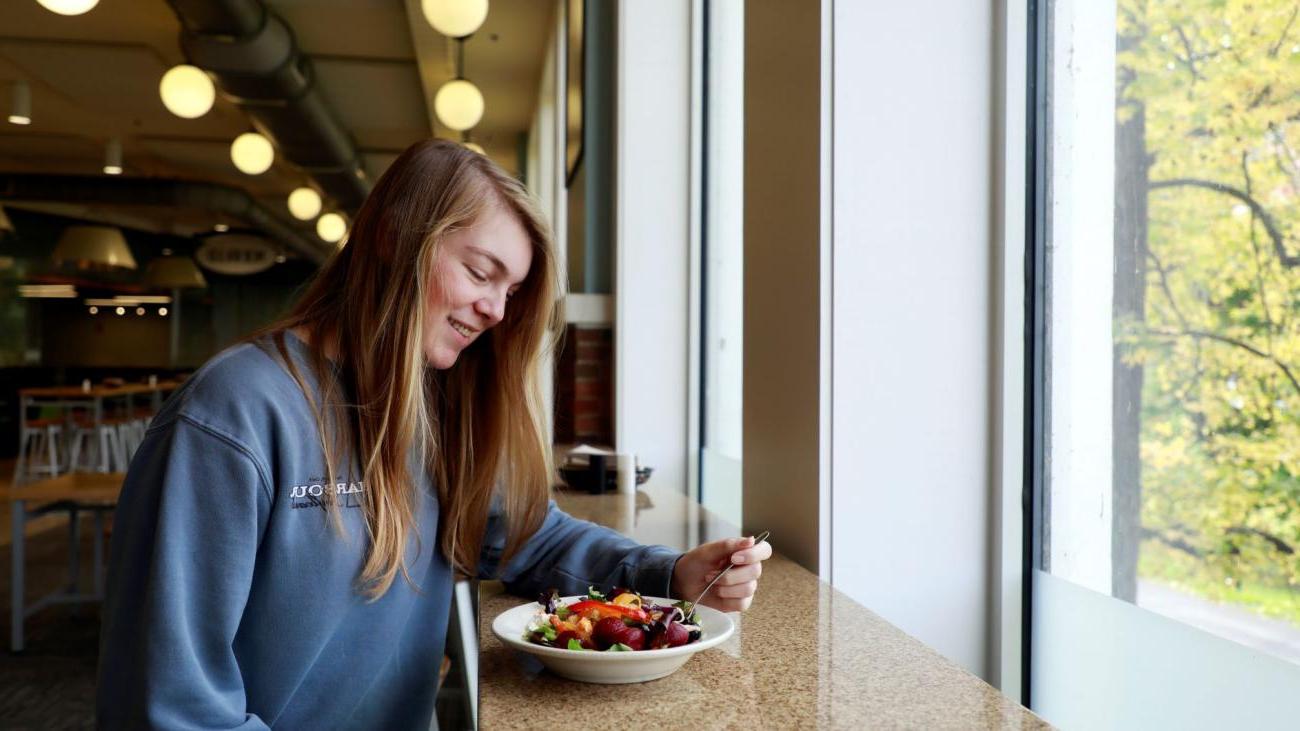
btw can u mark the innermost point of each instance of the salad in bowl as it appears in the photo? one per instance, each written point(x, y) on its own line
point(620, 621)
point(619, 636)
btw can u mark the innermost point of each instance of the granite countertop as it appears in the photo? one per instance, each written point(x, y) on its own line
point(805, 655)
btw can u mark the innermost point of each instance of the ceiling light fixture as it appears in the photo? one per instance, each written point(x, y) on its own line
point(47, 291)
point(113, 157)
point(20, 107)
point(187, 91)
point(455, 18)
point(221, 228)
point(128, 300)
point(93, 246)
point(459, 104)
point(68, 7)
point(171, 272)
point(331, 227)
point(162, 311)
point(304, 204)
point(252, 153)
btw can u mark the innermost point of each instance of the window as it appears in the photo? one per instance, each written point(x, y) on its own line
point(1169, 306)
point(723, 251)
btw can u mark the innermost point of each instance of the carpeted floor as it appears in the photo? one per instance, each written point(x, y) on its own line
point(51, 684)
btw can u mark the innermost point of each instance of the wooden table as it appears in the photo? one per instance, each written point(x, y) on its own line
point(804, 656)
point(74, 492)
point(71, 396)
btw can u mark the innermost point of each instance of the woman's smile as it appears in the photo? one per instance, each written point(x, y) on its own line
point(465, 332)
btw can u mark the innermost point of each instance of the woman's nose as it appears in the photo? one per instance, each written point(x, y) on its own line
point(493, 308)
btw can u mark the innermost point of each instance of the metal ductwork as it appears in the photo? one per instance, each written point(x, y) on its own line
point(103, 190)
point(256, 63)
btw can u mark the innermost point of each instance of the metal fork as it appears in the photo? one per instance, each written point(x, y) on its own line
point(759, 539)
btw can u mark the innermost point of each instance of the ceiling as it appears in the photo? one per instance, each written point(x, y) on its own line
point(95, 76)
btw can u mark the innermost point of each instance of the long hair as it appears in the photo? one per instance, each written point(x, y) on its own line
point(382, 408)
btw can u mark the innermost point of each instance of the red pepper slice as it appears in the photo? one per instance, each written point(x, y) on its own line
point(606, 609)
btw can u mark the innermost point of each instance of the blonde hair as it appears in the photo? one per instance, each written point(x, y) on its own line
point(474, 424)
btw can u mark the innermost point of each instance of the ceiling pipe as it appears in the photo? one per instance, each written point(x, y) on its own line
point(221, 199)
point(256, 62)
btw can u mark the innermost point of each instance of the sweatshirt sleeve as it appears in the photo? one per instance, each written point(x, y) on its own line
point(185, 537)
point(571, 554)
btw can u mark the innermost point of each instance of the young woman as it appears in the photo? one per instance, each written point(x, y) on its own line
point(287, 537)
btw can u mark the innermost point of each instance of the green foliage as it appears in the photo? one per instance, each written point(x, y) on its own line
point(1219, 84)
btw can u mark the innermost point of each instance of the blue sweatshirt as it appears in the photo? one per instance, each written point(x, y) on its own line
point(231, 599)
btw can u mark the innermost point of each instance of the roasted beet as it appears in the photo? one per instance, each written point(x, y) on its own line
point(668, 634)
point(612, 630)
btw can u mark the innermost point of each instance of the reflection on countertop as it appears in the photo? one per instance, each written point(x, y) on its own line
point(805, 655)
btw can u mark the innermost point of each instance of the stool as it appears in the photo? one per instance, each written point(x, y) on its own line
point(129, 435)
point(111, 458)
point(97, 449)
point(38, 450)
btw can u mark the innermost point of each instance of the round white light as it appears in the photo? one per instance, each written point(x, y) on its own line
point(162, 311)
point(120, 310)
point(331, 227)
point(459, 104)
point(304, 204)
point(139, 310)
point(94, 310)
point(186, 91)
point(71, 7)
point(476, 147)
point(455, 18)
point(252, 153)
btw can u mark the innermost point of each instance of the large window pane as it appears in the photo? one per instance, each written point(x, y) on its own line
point(1172, 281)
point(723, 248)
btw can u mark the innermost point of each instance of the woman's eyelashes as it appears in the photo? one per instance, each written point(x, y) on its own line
point(481, 278)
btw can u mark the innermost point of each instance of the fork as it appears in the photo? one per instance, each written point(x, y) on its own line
point(761, 537)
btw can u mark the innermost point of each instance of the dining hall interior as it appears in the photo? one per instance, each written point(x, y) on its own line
point(978, 313)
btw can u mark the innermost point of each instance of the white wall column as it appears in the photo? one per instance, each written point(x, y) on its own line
point(914, 253)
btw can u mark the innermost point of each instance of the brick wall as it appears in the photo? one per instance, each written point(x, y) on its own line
point(584, 386)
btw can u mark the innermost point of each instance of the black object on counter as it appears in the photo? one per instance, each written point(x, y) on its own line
point(595, 476)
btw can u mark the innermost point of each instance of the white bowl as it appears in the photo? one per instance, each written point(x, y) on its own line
point(610, 667)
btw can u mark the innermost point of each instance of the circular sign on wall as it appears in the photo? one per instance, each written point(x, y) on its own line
point(236, 254)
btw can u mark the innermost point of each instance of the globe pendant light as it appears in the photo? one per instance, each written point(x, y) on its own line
point(331, 227)
point(252, 153)
point(458, 104)
point(186, 91)
point(455, 18)
point(69, 7)
point(304, 204)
